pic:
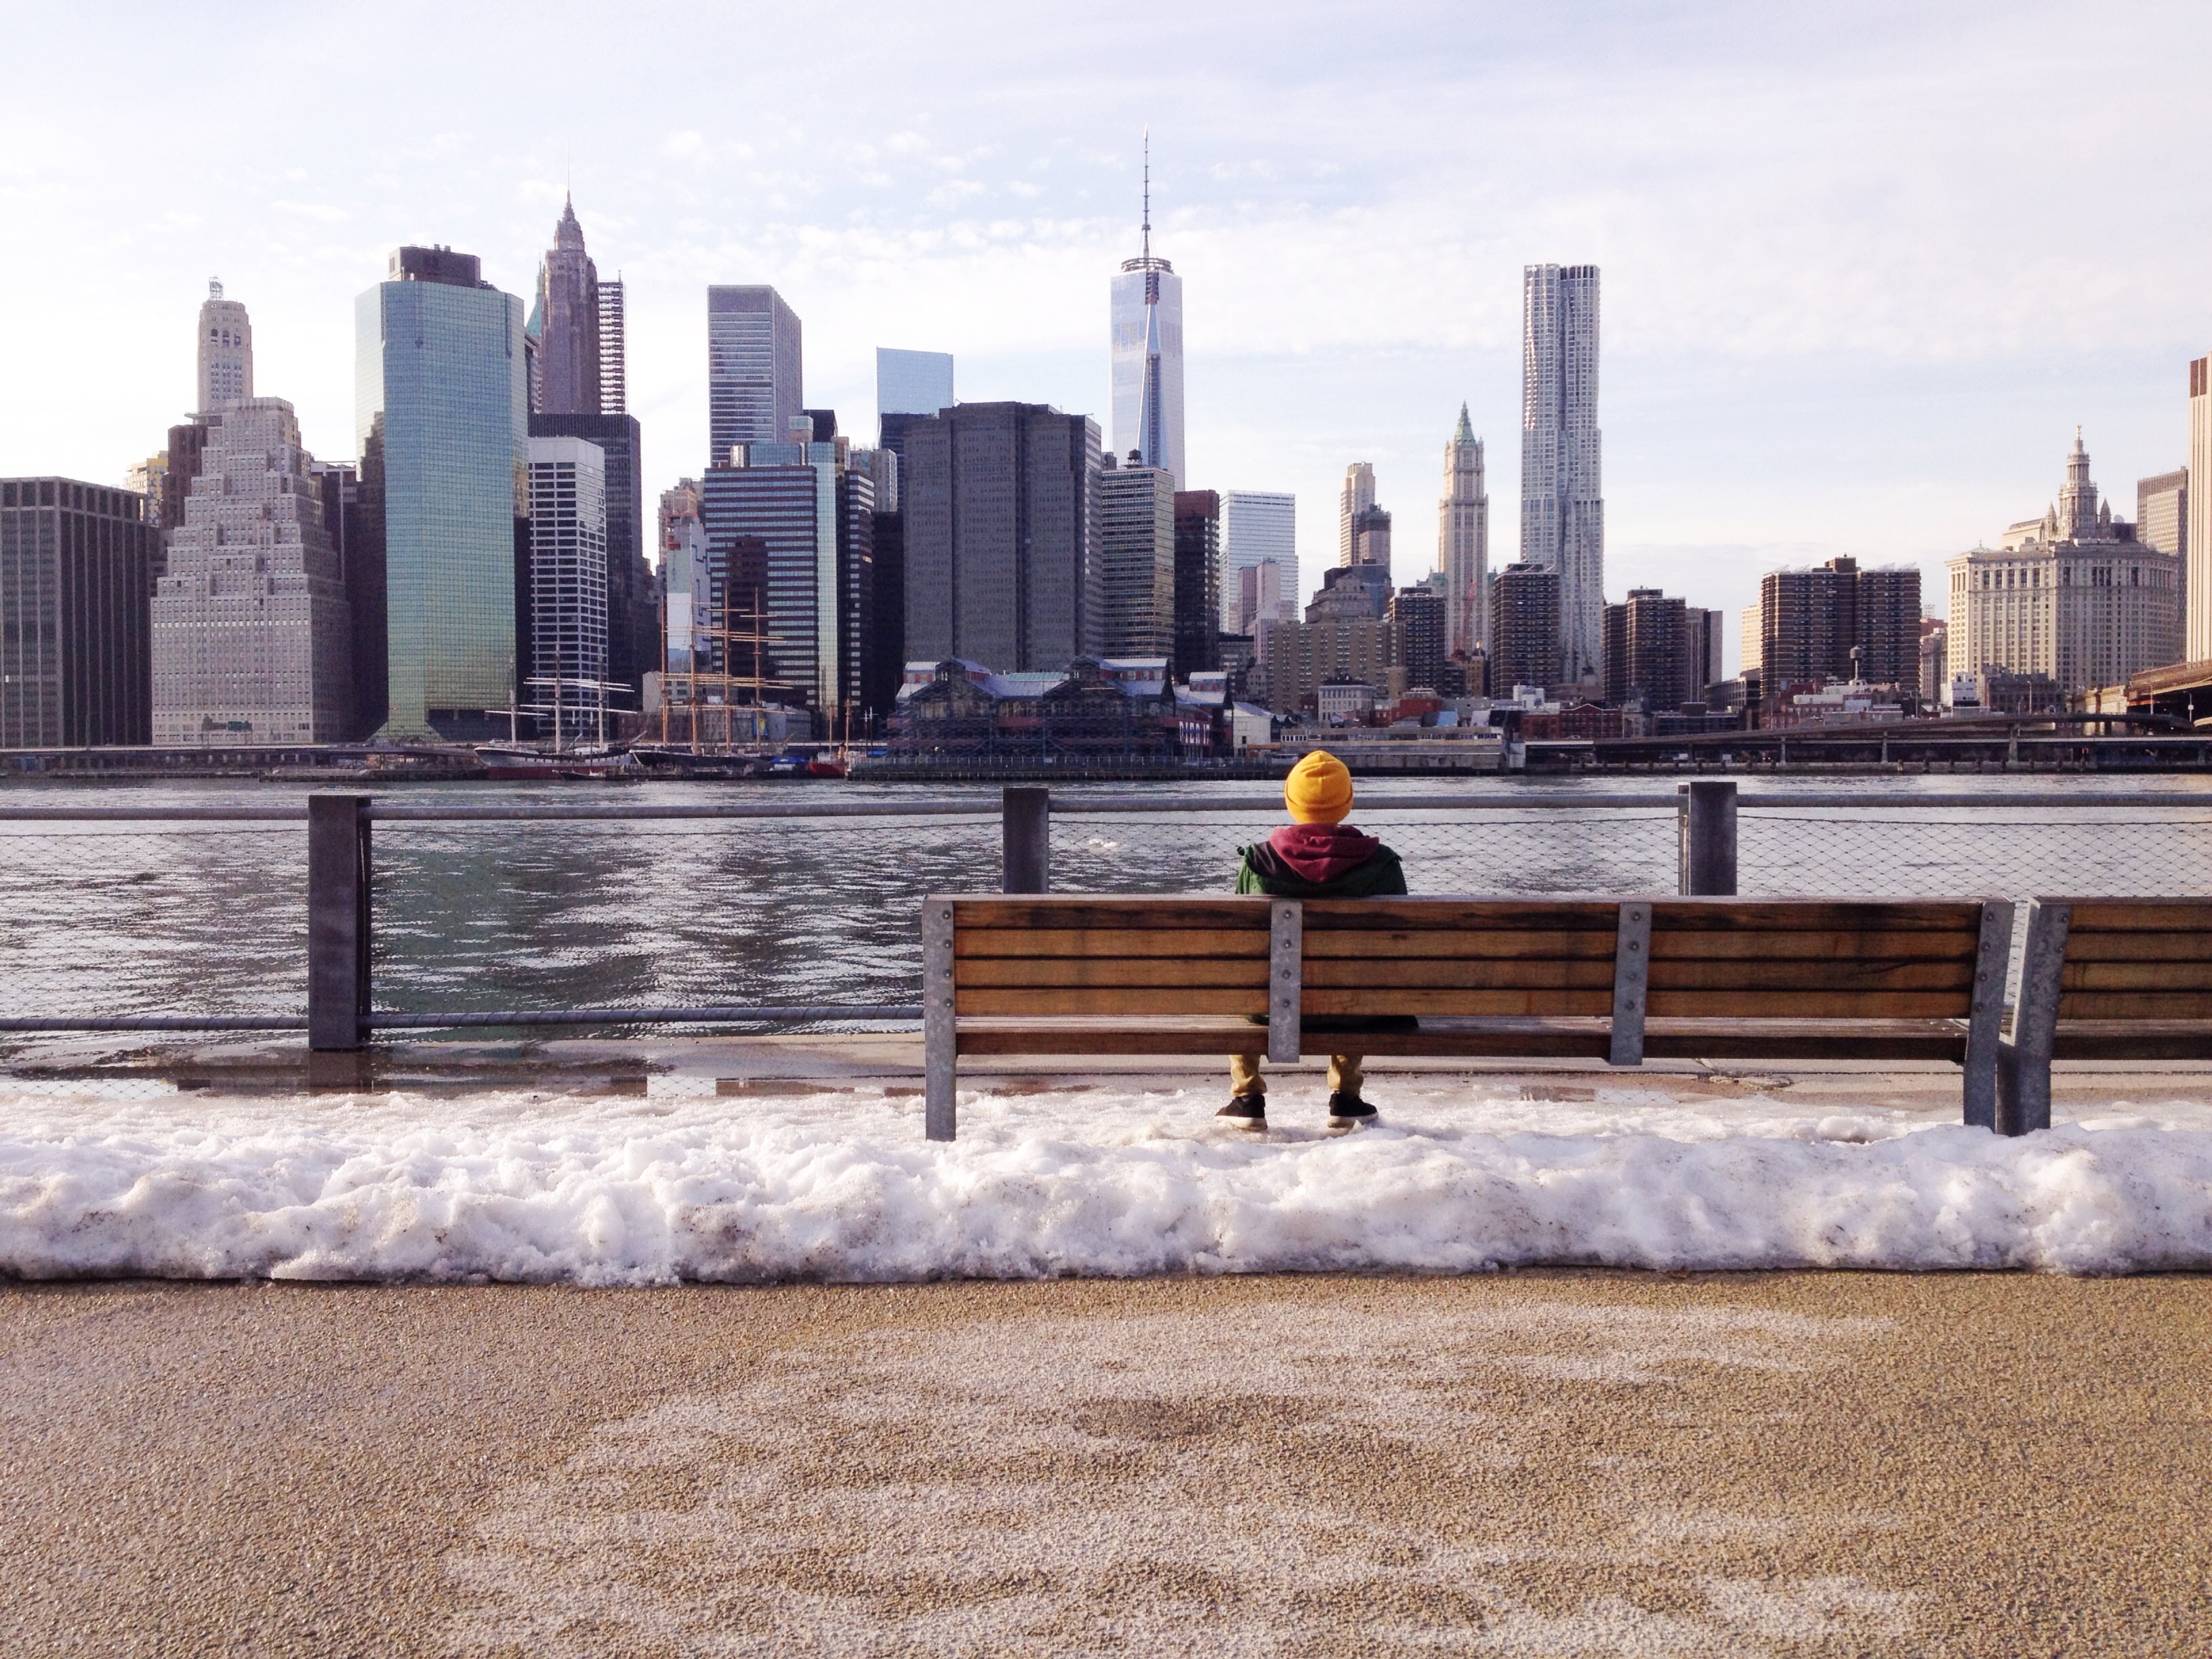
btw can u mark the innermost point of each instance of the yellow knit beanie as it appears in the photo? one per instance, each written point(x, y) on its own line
point(1319, 789)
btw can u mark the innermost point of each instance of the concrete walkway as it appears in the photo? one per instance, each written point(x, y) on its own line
point(1545, 1463)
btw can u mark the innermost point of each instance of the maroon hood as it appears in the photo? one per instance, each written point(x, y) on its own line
point(1321, 853)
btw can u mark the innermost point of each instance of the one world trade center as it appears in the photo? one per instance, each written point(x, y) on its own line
point(1147, 355)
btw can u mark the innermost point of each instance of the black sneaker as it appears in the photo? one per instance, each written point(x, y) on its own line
point(1247, 1111)
point(1348, 1112)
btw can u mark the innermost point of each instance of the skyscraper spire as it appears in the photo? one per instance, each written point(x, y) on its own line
point(1148, 189)
point(1147, 351)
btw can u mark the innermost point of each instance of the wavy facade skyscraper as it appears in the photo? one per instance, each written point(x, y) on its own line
point(1562, 487)
point(1146, 349)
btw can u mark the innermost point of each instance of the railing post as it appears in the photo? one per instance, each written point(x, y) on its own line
point(1026, 815)
point(338, 919)
point(1708, 831)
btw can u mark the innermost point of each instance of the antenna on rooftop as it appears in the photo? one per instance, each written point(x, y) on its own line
point(1148, 189)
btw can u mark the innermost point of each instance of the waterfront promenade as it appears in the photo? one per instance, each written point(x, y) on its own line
point(1555, 1464)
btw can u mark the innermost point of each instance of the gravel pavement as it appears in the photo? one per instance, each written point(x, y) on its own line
point(1552, 1464)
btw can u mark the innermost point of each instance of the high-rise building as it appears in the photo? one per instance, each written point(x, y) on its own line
point(226, 353)
point(1655, 651)
point(2162, 512)
point(886, 656)
point(148, 478)
point(1197, 583)
point(633, 628)
point(443, 420)
point(1934, 654)
point(2196, 565)
point(1258, 525)
point(1705, 651)
point(1562, 487)
point(1357, 496)
point(1002, 546)
point(567, 323)
point(76, 565)
point(1351, 590)
point(791, 527)
point(1295, 659)
point(567, 685)
point(1464, 540)
point(614, 348)
point(2074, 595)
point(912, 382)
point(251, 635)
point(1370, 538)
point(1524, 627)
point(1261, 596)
point(360, 548)
point(1146, 353)
point(1419, 611)
point(1136, 589)
point(753, 370)
point(1838, 621)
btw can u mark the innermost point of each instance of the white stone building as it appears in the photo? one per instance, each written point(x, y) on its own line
point(1463, 541)
point(2072, 594)
point(226, 353)
point(567, 685)
point(252, 638)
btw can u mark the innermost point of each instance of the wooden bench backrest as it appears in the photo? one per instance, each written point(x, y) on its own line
point(2136, 959)
point(1810, 959)
point(1025, 956)
point(1458, 957)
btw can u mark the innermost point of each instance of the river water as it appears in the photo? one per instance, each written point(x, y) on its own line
point(177, 917)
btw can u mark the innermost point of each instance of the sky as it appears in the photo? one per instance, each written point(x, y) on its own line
point(1865, 266)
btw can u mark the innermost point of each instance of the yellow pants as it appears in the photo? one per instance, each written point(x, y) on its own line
point(1344, 1075)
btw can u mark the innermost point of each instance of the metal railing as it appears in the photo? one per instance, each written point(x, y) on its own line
point(399, 915)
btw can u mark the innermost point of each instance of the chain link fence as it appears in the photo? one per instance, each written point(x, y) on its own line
point(115, 920)
point(147, 920)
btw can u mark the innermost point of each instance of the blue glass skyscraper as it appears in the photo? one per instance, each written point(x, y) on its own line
point(441, 411)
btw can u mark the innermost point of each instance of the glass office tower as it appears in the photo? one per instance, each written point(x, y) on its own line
point(912, 382)
point(754, 369)
point(442, 414)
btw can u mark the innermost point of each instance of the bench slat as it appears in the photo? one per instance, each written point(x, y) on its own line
point(1175, 912)
point(1822, 946)
point(1187, 1034)
point(2150, 915)
point(1813, 915)
point(1482, 945)
point(1240, 944)
point(1109, 999)
point(1438, 974)
point(2133, 1039)
point(2139, 947)
point(1397, 999)
point(2079, 976)
point(1198, 972)
point(1812, 1005)
point(1673, 974)
point(1417, 915)
point(2134, 1005)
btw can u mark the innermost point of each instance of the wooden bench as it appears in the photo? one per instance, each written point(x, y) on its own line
point(1616, 981)
point(2104, 979)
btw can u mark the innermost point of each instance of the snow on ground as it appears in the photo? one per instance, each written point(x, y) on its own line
point(1464, 1175)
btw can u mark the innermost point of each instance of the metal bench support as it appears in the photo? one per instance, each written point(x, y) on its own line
point(2024, 1063)
point(939, 1038)
point(1632, 981)
point(1985, 1020)
point(1286, 978)
point(338, 919)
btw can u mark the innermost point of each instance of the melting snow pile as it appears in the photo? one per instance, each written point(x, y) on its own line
point(1102, 1181)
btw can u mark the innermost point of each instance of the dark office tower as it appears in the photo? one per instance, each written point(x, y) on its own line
point(790, 536)
point(188, 444)
point(753, 389)
point(614, 348)
point(1644, 659)
point(887, 641)
point(1197, 582)
point(1420, 613)
point(568, 318)
point(354, 534)
point(1002, 536)
point(1370, 538)
point(76, 583)
point(633, 619)
point(1524, 627)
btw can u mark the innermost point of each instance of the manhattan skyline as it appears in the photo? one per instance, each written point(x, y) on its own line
point(1867, 361)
